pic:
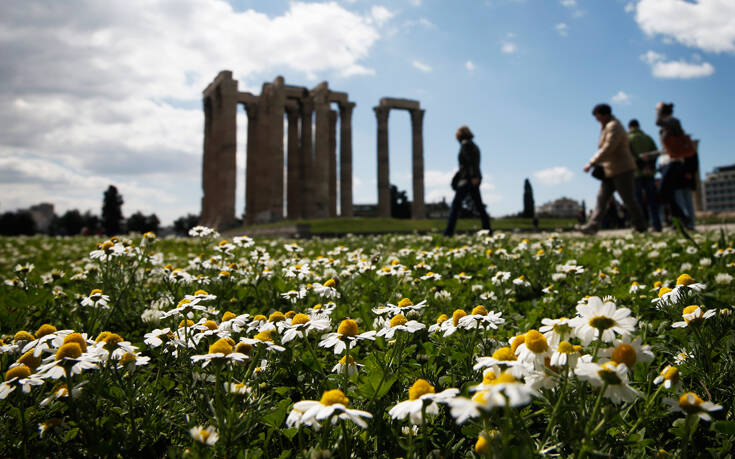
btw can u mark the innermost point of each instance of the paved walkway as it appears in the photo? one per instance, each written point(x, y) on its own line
point(729, 228)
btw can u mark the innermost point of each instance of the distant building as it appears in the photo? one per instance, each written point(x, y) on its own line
point(719, 189)
point(562, 207)
point(43, 215)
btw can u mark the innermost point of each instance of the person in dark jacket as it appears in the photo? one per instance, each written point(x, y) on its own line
point(672, 172)
point(466, 181)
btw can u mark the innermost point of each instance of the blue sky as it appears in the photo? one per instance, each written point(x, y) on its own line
point(94, 93)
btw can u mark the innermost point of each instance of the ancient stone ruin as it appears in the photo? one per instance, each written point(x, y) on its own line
point(311, 152)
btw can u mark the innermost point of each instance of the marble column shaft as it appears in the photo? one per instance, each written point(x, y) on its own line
point(381, 114)
point(320, 166)
point(332, 163)
point(345, 159)
point(251, 163)
point(418, 207)
point(294, 167)
point(307, 159)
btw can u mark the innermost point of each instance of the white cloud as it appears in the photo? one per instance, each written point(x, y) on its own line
point(470, 66)
point(508, 47)
point(569, 3)
point(421, 66)
point(554, 175)
point(630, 7)
point(381, 14)
point(621, 98)
point(562, 28)
point(708, 25)
point(415, 2)
point(110, 92)
point(661, 68)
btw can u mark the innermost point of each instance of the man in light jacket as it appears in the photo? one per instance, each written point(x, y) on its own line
point(614, 156)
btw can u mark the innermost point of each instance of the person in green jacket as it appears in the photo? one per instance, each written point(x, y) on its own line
point(645, 152)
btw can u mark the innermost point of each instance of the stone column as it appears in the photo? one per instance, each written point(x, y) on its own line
point(332, 163)
point(207, 162)
point(418, 209)
point(307, 159)
point(251, 164)
point(345, 159)
point(320, 166)
point(276, 174)
point(294, 167)
point(381, 114)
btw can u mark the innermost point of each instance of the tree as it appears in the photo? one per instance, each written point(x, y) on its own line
point(112, 215)
point(182, 225)
point(529, 208)
point(143, 223)
point(17, 223)
point(71, 223)
point(399, 205)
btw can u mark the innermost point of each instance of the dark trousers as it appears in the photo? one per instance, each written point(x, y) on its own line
point(672, 176)
point(647, 185)
point(460, 195)
point(623, 184)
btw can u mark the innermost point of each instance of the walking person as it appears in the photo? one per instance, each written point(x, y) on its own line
point(614, 157)
point(466, 181)
point(672, 172)
point(645, 152)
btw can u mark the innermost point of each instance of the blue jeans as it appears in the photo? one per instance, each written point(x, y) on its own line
point(647, 186)
point(685, 199)
point(460, 195)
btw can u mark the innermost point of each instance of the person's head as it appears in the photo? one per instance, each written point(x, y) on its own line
point(602, 112)
point(633, 125)
point(665, 109)
point(464, 133)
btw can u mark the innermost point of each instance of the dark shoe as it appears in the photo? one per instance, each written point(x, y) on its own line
point(588, 230)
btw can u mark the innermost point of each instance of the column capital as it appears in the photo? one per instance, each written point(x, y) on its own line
point(417, 115)
point(345, 111)
point(381, 113)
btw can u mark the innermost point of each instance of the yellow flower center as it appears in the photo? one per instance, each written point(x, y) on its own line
point(481, 397)
point(419, 388)
point(210, 324)
point(23, 336)
point(536, 342)
point(347, 327)
point(684, 279)
point(504, 378)
point(479, 310)
point(481, 445)
point(204, 434)
point(395, 262)
point(663, 291)
point(201, 292)
point(102, 336)
point(488, 377)
point(565, 347)
point(228, 316)
point(540, 252)
point(69, 351)
point(45, 329)
point(670, 374)
point(330, 283)
point(290, 314)
point(504, 354)
point(608, 374)
point(113, 339)
point(30, 360)
point(458, 314)
point(221, 346)
point(265, 335)
point(95, 292)
point(224, 273)
point(127, 358)
point(76, 338)
point(689, 309)
point(601, 322)
point(317, 307)
point(690, 403)
point(300, 319)
point(624, 353)
point(21, 371)
point(276, 317)
point(107, 245)
point(405, 302)
point(186, 323)
point(184, 302)
point(243, 348)
point(399, 319)
point(441, 319)
point(334, 396)
point(517, 341)
point(343, 360)
point(259, 318)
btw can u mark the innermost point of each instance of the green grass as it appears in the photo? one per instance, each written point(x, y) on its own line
point(394, 225)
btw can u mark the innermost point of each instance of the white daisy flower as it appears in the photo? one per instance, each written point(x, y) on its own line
point(670, 377)
point(693, 315)
point(596, 319)
point(481, 318)
point(614, 376)
point(399, 322)
point(348, 331)
point(300, 325)
point(207, 435)
point(333, 405)
point(421, 397)
point(690, 404)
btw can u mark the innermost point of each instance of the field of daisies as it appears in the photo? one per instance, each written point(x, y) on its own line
point(384, 346)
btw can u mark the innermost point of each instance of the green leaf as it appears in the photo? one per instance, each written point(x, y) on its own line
point(724, 427)
point(277, 416)
point(290, 432)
